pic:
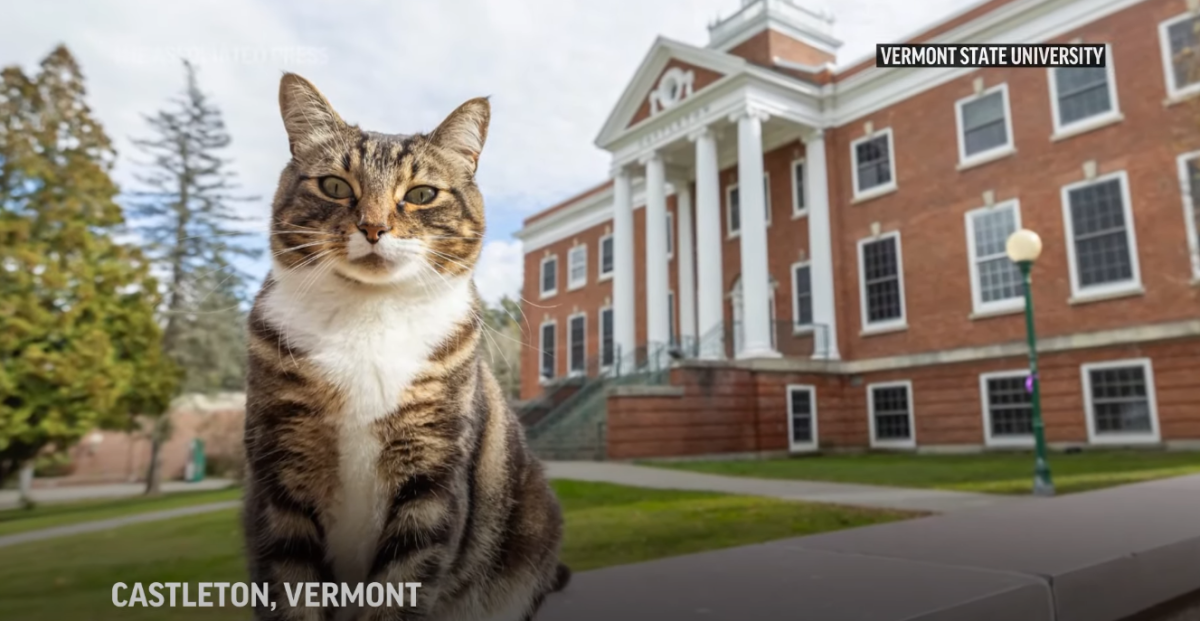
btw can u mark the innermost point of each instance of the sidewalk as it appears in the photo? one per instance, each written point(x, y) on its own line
point(10, 498)
point(99, 525)
point(904, 499)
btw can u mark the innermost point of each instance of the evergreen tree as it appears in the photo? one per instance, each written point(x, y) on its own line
point(502, 344)
point(185, 212)
point(79, 344)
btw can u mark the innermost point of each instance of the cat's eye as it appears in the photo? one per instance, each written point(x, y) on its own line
point(421, 195)
point(335, 187)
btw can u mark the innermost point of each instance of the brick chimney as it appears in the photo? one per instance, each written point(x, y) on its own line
point(777, 33)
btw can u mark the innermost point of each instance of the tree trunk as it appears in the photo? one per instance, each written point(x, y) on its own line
point(26, 484)
point(154, 474)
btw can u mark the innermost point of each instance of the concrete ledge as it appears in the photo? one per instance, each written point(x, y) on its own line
point(1098, 556)
point(645, 391)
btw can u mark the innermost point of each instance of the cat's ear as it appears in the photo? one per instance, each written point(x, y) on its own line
point(307, 115)
point(465, 130)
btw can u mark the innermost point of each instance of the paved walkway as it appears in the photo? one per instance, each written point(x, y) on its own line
point(11, 498)
point(99, 525)
point(931, 500)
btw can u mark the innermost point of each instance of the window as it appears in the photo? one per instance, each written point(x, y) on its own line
point(802, 417)
point(607, 349)
point(670, 235)
point(874, 170)
point(549, 280)
point(1007, 408)
point(1083, 97)
point(996, 282)
point(605, 262)
point(984, 125)
point(673, 339)
point(1119, 397)
point(1180, 39)
point(881, 278)
point(577, 267)
point(891, 414)
point(1100, 242)
point(1189, 176)
point(733, 217)
point(577, 344)
point(802, 295)
point(547, 347)
point(799, 202)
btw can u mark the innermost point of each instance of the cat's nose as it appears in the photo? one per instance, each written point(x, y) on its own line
point(373, 231)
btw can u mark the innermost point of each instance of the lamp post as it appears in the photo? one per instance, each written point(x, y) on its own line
point(1024, 247)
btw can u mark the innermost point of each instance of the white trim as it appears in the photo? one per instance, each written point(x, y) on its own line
point(601, 275)
point(900, 323)
point(1106, 289)
point(882, 188)
point(911, 442)
point(543, 293)
point(600, 334)
point(988, 438)
point(1174, 91)
point(1189, 212)
point(811, 445)
point(571, 344)
point(796, 325)
point(992, 153)
point(797, 199)
point(1153, 436)
point(542, 377)
point(575, 252)
point(670, 235)
point(1088, 123)
point(978, 306)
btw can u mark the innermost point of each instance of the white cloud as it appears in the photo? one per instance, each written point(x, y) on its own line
point(500, 270)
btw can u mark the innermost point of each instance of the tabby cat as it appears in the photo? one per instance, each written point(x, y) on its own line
point(379, 445)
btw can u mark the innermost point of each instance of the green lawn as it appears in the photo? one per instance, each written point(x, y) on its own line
point(70, 579)
point(61, 514)
point(999, 473)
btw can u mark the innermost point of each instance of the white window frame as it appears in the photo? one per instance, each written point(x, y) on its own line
point(1189, 213)
point(729, 206)
point(797, 327)
point(542, 379)
point(578, 252)
point(892, 324)
point(812, 445)
point(601, 335)
point(996, 152)
point(1174, 91)
point(978, 306)
point(879, 190)
point(988, 438)
point(672, 328)
point(670, 235)
point(571, 344)
point(1131, 286)
point(797, 199)
point(602, 275)
point(1083, 125)
point(911, 442)
point(1154, 436)
point(542, 292)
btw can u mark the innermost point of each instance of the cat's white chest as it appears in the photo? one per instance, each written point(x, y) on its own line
point(369, 348)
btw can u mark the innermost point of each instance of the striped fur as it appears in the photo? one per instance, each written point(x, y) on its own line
point(380, 447)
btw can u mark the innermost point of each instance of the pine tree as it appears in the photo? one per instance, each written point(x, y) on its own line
point(185, 212)
point(79, 344)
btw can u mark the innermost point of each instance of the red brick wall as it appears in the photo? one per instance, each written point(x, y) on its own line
point(702, 78)
point(730, 410)
point(764, 47)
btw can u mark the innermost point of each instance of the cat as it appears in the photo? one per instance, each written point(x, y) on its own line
point(379, 445)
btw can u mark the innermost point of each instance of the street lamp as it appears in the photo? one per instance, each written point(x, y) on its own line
point(1024, 247)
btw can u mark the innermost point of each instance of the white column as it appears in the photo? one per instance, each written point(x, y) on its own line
point(624, 333)
point(657, 320)
point(756, 317)
point(685, 292)
point(710, 286)
point(820, 248)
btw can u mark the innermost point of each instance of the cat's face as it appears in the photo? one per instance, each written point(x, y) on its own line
point(378, 209)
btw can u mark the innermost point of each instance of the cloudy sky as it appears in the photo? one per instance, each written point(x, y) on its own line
point(553, 70)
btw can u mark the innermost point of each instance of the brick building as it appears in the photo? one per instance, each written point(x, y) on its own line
point(822, 245)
